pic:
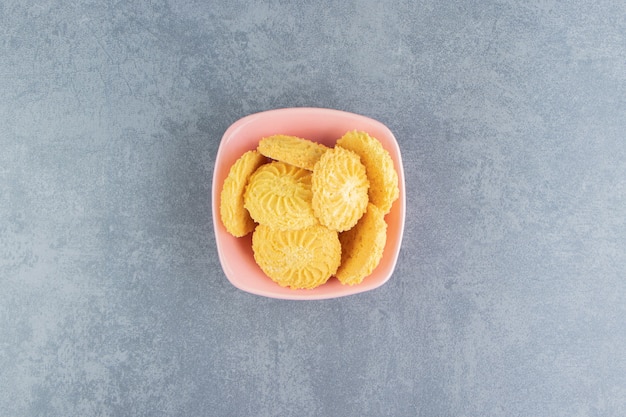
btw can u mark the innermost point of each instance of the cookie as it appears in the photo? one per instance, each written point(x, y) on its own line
point(293, 150)
point(381, 173)
point(234, 215)
point(339, 186)
point(362, 247)
point(279, 195)
point(299, 259)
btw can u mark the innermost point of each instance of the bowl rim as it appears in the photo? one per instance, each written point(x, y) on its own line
point(281, 292)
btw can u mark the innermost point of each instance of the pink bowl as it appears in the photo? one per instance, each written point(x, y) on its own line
point(324, 126)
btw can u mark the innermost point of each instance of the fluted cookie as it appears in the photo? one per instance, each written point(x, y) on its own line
point(234, 215)
point(279, 195)
point(339, 186)
point(299, 259)
point(293, 150)
point(362, 247)
point(381, 173)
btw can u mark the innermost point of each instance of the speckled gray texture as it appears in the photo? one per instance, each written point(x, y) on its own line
point(509, 297)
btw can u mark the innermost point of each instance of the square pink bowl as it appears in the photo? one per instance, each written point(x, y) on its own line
point(324, 126)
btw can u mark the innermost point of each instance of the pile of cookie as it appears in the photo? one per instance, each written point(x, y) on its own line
point(314, 211)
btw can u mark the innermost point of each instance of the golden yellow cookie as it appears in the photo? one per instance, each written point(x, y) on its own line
point(235, 217)
point(293, 150)
point(362, 247)
point(279, 195)
point(339, 187)
point(304, 258)
point(381, 173)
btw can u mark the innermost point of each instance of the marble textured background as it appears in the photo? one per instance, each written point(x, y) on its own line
point(510, 293)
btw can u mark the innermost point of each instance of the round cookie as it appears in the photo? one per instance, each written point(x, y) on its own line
point(293, 150)
point(381, 173)
point(339, 188)
point(279, 195)
point(362, 247)
point(299, 259)
point(234, 215)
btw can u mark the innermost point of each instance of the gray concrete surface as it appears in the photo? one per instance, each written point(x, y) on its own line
point(510, 292)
